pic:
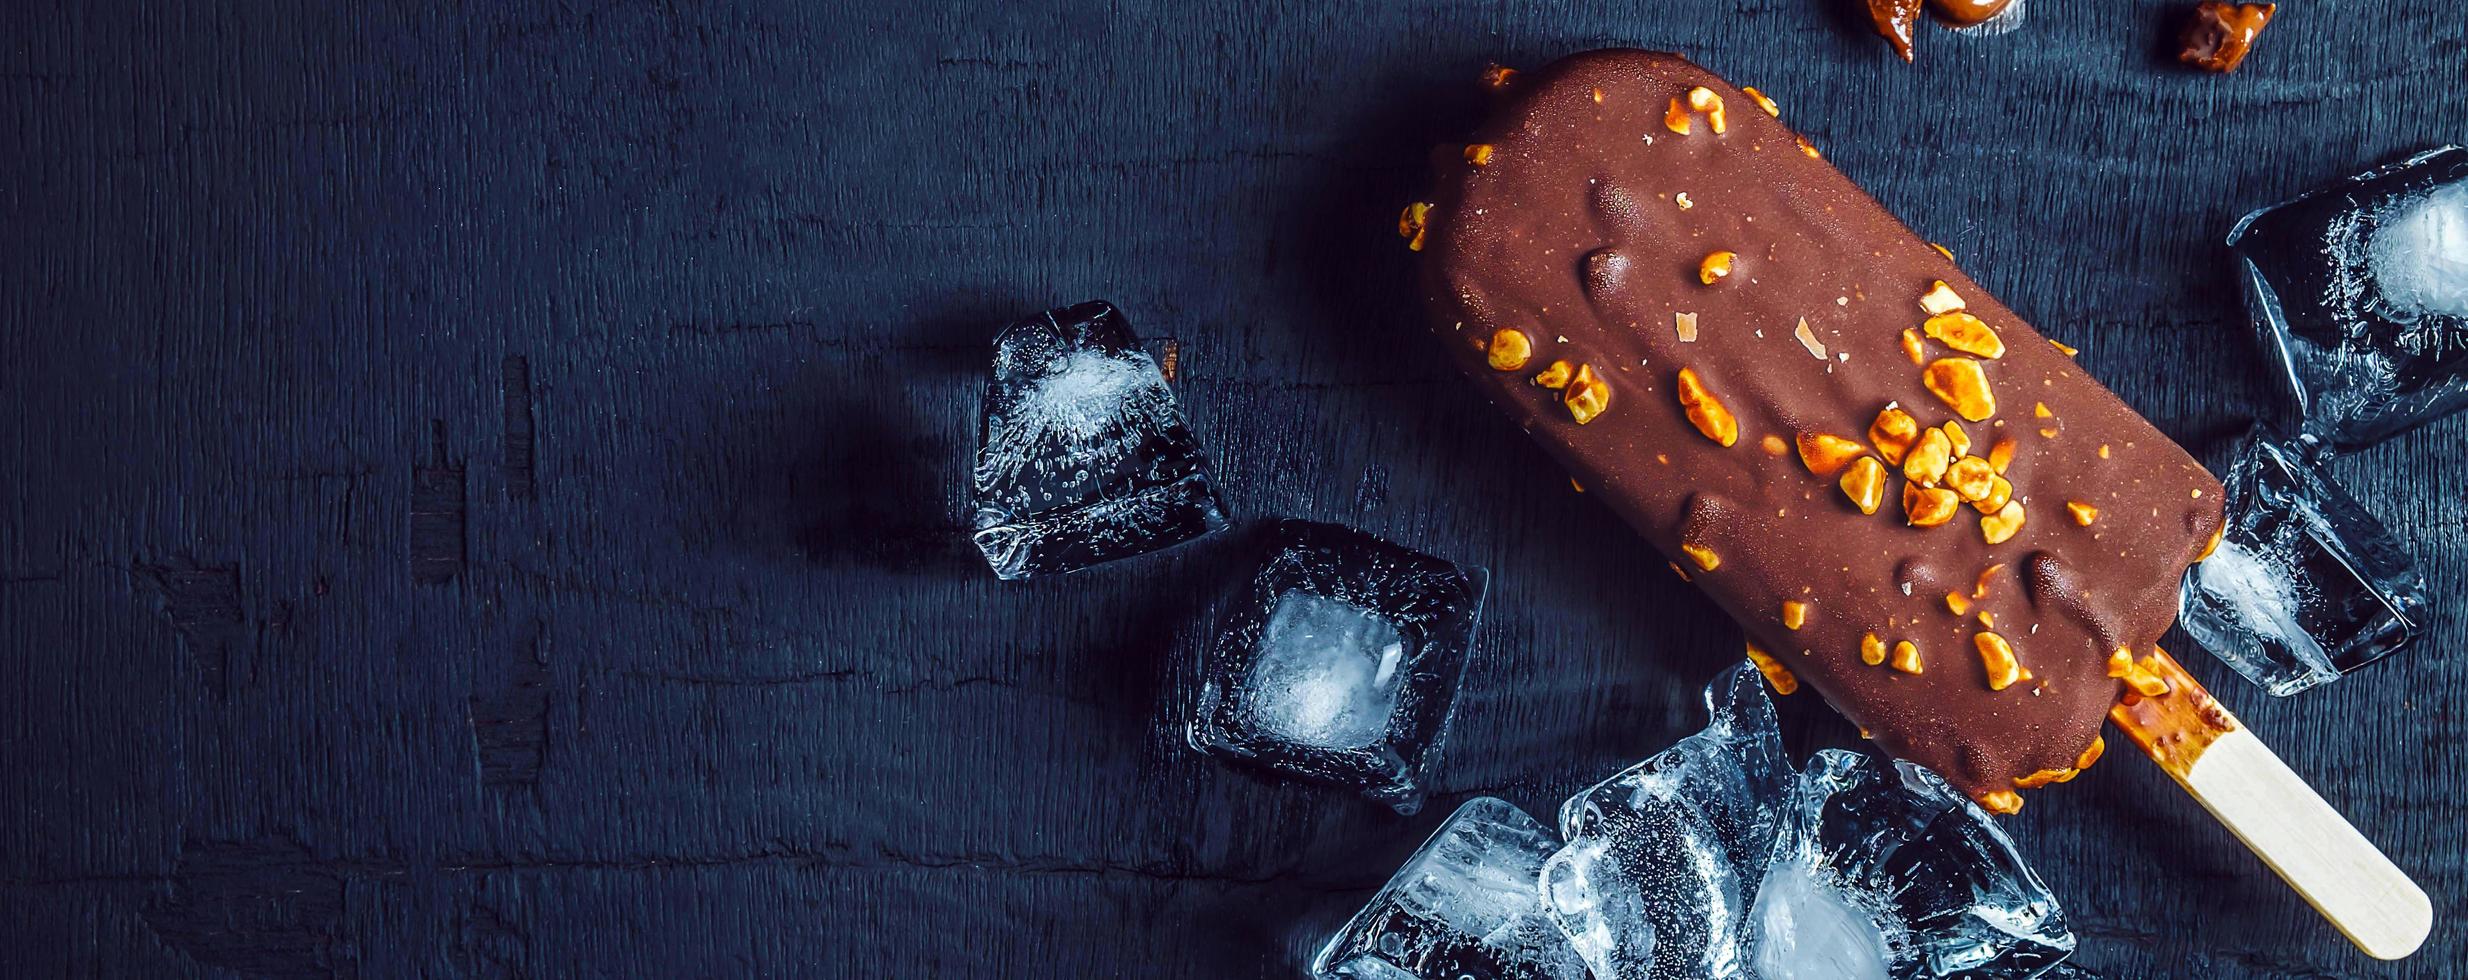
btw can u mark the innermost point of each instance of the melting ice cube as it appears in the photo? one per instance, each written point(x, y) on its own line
point(1662, 859)
point(2362, 288)
point(1084, 457)
point(1716, 860)
point(1340, 662)
point(1885, 859)
point(2306, 585)
point(1326, 672)
point(1464, 906)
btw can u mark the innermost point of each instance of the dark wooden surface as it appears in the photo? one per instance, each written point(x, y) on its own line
point(480, 485)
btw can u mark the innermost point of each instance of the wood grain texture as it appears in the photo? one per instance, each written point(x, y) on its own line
point(482, 484)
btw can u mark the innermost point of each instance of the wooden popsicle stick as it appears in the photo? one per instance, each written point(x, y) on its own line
point(2269, 807)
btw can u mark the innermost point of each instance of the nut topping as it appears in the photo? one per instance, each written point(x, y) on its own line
point(1762, 101)
point(1704, 100)
point(1906, 657)
point(1808, 340)
point(1962, 385)
point(1971, 477)
point(1775, 673)
point(1705, 411)
point(1794, 614)
point(1928, 506)
point(1478, 153)
point(2098, 747)
point(1893, 433)
point(1872, 650)
point(2043, 778)
point(1913, 347)
point(1825, 455)
point(1715, 266)
point(2212, 545)
point(1498, 76)
point(1686, 325)
point(2000, 491)
point(1773, 445)
point(1412, 223)
point(1966, 333)
point(1587, 395)
point(2002, 802)
point(1926, 463)
point(1556, 376)
point(1998, 656)
point(2083, 513)
point(1957, 603)
point(2000, 527)
point(2001, 455)
point(1961, 440)
point(1510, 349)
point(1675, 118)
point(1940, 299)
point(1864, 483)
point(1702, 555)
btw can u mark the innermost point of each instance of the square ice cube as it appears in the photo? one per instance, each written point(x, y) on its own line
point(1466, 905)
point(1084, 457)
point(2306, 585)
point(2361, 289)
point(1340, 661)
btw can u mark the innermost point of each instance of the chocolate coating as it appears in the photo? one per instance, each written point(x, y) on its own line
point(1573, 233)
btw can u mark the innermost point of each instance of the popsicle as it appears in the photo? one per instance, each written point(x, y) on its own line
point(1910, 500)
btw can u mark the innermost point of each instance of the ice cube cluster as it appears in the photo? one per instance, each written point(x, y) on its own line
point(1716, 860)
point(2361, 290)
point(1084, 457)
point(1339, 661)
point(2305, 585)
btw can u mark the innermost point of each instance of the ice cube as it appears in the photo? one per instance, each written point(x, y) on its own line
point(1084, 457)
point(1715, 860)
point(1326, 672)
point(1651, 883)
point(1466, 905)
point(1340, 661)
point(2306, 585)
point(2362, 289)
point(1886, 871)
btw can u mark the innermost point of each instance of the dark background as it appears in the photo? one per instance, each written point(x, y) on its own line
point(481, 485)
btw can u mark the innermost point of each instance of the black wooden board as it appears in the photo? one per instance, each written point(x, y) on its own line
point(481, 484)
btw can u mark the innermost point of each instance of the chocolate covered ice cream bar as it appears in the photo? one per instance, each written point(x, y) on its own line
point(1911, 501)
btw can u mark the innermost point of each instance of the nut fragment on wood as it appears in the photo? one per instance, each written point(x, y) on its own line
point(1412, 223)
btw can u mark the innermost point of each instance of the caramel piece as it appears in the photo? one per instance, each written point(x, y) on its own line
point(2221, 34)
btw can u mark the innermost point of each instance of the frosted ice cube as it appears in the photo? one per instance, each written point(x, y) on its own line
point(1084, 457)
point(1715, 860)
point(1885, 859)
point(2362, 290)
point(1326, 673)
point(1651, 882)
point(1339, 662)
point(2306, 585)
point(2420, 255)
point(1466, 905)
